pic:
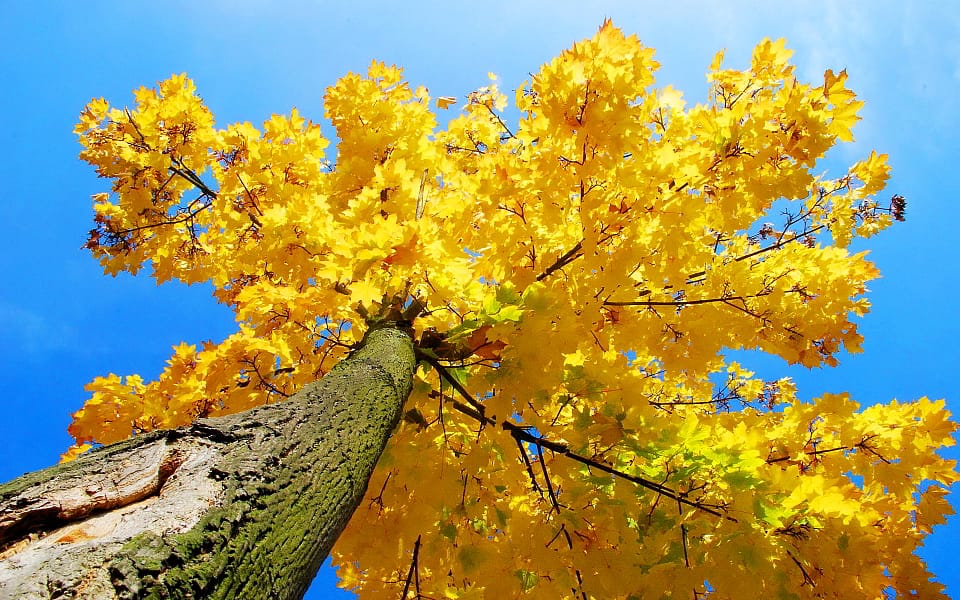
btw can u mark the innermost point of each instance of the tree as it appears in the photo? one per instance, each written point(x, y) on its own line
point(570, 285)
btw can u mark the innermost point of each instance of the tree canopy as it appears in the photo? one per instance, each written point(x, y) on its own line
point(584, 262)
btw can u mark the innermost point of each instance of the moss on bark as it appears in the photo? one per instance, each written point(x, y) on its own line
point(291, 476)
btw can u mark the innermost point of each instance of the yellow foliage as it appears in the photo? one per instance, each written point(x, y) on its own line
point(585, 269)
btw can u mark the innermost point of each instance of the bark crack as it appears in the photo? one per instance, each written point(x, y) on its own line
point(36, 512)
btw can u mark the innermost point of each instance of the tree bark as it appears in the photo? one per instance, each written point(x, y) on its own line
point(245, 506)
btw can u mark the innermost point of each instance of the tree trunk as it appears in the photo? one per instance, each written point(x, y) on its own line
point(245, 506)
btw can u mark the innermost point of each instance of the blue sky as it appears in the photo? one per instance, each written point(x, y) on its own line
point(62, 322)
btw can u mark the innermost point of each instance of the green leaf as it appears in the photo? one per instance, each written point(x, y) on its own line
point(491, 306)
point(508, 313)
point(535, 297)
point(506, 294)
point(470, 557)
point(770, 514)
point(463, 329)
point(528, 579)
point(459, 374)
point(449, 531)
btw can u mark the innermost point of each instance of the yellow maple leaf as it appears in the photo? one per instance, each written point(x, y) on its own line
point(445, 102)
point(365, 292)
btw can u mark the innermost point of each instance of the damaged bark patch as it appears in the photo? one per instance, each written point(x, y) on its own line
point(81, 492)
point(111, 502)
point(85, 490)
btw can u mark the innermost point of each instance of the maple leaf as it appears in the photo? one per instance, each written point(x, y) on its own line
point(483, 347)
point(365, 292)
point(445, 102)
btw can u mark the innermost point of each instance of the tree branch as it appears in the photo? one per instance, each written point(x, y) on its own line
point(414, 573)
point(568, 257)
point(521, 433)
point(681, 303)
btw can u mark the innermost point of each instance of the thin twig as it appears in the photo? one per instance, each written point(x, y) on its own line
point(681, 303)
point(456, 385)
point(568, 257)
point(546, 478)
point(414, 573)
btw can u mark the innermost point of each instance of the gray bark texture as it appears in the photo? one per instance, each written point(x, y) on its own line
point(245, 506)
